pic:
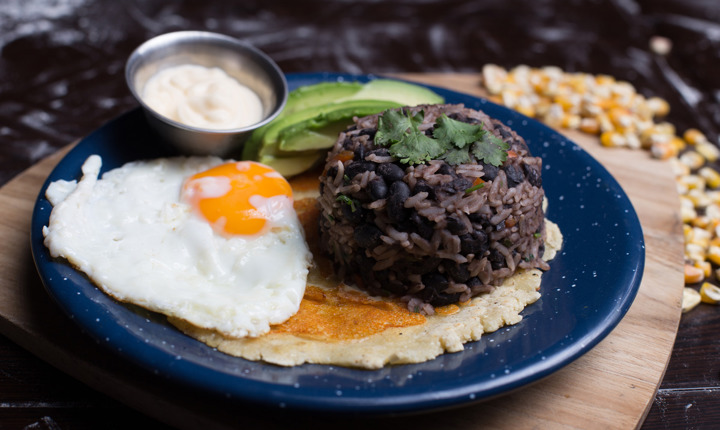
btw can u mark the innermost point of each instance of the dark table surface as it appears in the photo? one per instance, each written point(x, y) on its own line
point(61, 76)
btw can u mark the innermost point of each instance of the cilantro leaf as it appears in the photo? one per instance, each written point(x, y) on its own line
point(416, 148)
point(490, 149)
point(449, 131)
point(393, 126)
point(455, 156)
point(454, 141)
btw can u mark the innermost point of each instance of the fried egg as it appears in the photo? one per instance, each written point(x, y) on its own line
point(214, 243)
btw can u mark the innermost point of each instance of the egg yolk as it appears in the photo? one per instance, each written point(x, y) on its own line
point(238, 198)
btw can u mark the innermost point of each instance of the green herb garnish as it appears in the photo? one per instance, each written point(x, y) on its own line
point(537, 235)
point(347, 200)
point(453, 141)
point(474, 187)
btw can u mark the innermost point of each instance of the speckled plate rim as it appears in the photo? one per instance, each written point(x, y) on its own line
point(582, 301)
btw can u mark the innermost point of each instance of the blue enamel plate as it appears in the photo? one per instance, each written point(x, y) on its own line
point(587, 291)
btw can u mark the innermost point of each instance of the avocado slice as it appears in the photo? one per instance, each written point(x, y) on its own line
point(309, 96)
point(314, 115)
point(301, 98)
point(290, 166)
point(329, 121)
point(401, 92)
point(320, 116)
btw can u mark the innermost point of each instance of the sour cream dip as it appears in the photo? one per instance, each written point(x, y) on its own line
point(202, 97)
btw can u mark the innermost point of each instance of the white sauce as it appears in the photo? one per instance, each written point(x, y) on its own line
point(202, 97)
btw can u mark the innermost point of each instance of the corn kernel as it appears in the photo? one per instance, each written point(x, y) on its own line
point(665, 127)
point(694, 252)
point(705, 266)
point(712, 210)
point(679, 168)
point(589, 125)
point(694, 136)
point(631, 140)
point(663, 150)
point(612, 139)
point(701, 237)
point(702, 222)
point(620, 117)
point(691, 298)
point(693, 274)
point(493, 78)
point(678, 143)
point(711, 176)
point(554, 115)
point(692, 159)
point(709, 293)
point(708, 150)
point(687, 214)
point(571, 121)
point(659, 107)
point(526, 109)
point(693, 182)
point(698, 197)
point(713, 254)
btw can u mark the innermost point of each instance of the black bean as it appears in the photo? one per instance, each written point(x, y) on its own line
point(357, 167)
point(504, 132)
point(380, 152)
point(533, 175)
point(348, 143)
point(458, 117)
point(395, 287)
point(446, 169)
point(457, 185)
point(514, 175)
point(473, 282)
point(359, 153)
point(424, 227)
point(458, 272)
point(490, 172)
point(435, 284)
point(479, 218)
point(429, 132)
point(422, 186)
point(399, 192)
point(520, 145)
point(391, 172)
point(461, 184)
point(474, 243)
point(367, 236)
point(377, 188)
point(332, 172)
point(370, 132)
point(425, 265)
point(435, 281)
point(352, 211)
point(455, 226)
point(497, 260)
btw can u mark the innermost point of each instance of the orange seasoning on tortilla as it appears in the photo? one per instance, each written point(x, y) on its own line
point(338, 313)
point(342, 315)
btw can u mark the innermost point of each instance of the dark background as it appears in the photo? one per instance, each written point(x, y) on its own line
point(61, 77)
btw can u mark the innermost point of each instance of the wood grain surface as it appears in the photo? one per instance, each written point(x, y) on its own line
point(612, 386)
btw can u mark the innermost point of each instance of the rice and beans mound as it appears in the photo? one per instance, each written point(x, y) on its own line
point(434, 232)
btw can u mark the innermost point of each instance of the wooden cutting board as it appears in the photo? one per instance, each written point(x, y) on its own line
point(612, 386)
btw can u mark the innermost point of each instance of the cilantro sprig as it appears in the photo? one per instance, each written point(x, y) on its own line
point(454, 141)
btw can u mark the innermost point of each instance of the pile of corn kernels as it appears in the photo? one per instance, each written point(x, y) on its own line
point(621, 117)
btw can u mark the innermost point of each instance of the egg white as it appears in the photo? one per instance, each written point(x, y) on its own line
point(134, 237)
